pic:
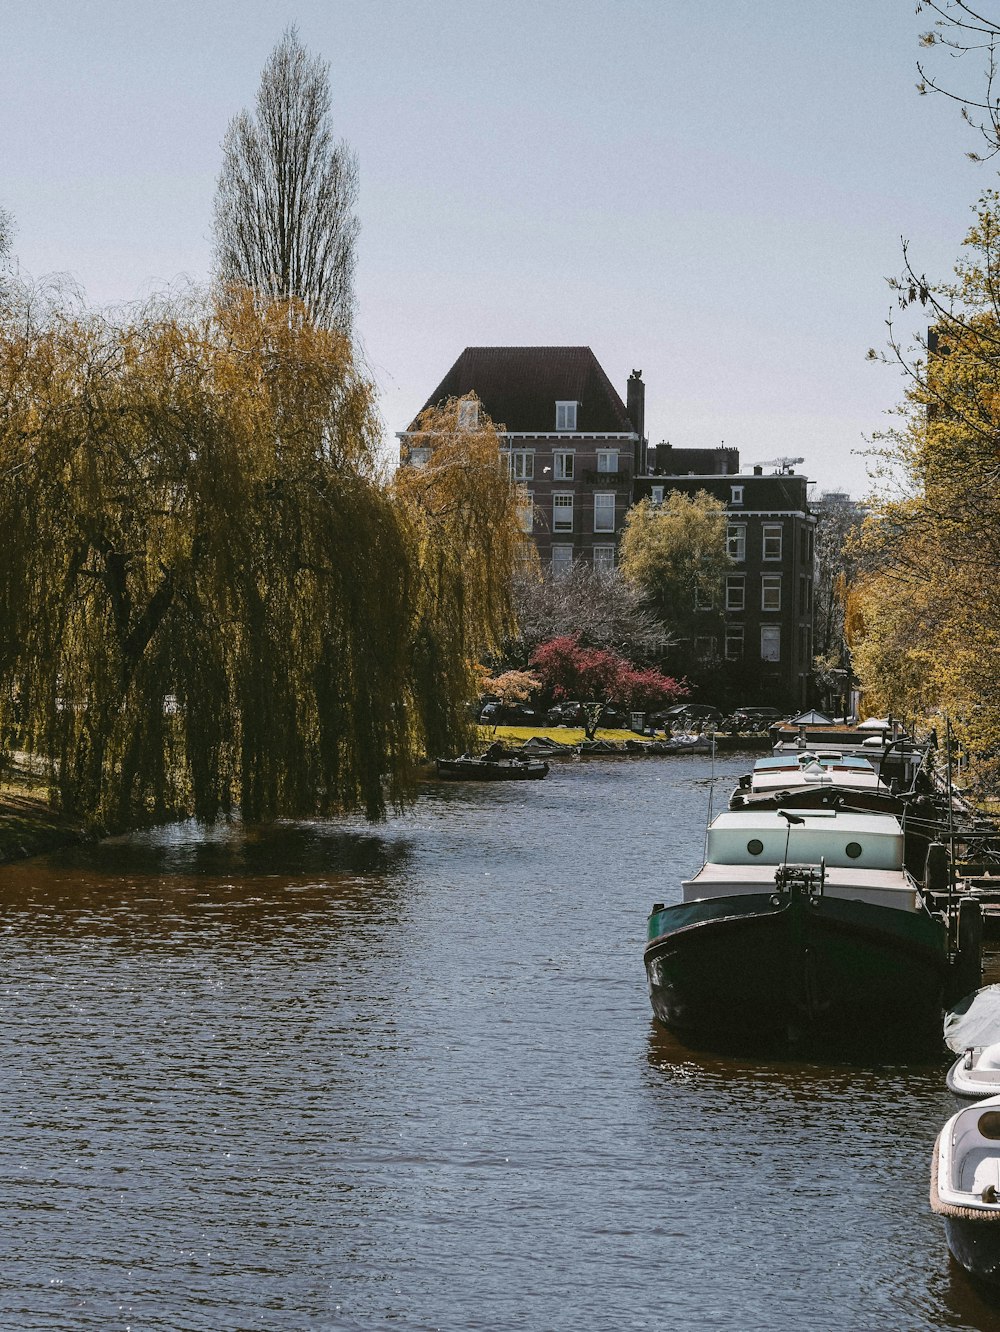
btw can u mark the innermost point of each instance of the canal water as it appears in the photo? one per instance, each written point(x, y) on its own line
point(330, 1076)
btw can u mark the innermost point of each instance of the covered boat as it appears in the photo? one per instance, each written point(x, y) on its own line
point(801, 925)
point(965, 1187)
point(972, 1031)
point(467, 768)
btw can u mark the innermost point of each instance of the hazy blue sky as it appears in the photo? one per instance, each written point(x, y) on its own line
point(712, 193)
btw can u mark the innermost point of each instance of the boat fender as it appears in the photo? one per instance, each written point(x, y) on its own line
point(937, 871)
point(967, 967)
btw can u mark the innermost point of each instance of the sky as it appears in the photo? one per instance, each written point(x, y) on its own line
point(714, 194)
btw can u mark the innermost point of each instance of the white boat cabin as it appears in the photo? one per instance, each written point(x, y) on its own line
point(860, 855)
point(815, 768)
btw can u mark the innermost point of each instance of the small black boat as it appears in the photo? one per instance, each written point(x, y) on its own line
point(467, 768)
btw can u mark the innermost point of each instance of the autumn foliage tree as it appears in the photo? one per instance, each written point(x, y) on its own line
point(460, 511)
point(675, 554)
point(922, 623)
point(210, 598)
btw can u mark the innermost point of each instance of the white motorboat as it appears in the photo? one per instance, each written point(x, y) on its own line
point(965, 1187)
point(976, 1072)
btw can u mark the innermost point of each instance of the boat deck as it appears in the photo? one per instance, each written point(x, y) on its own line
point(880, 887)
point(979, 1169)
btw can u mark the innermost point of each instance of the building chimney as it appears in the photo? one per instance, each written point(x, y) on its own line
point(635, 403)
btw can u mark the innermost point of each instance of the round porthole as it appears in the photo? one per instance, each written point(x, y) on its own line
point(755, 846)
point(853, 849)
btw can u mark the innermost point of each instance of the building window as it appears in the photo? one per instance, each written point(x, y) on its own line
point(565, 415)
point(704, 647)
point(736, 593)
point(734, 642)
point(420, 457)
point(735, 494)
point(562, 513)
point(770, 642)
point(562, 559)
point(805, 594)
point(526, 552)
point(525, 511)
point(604, 512)
point(736, 542)
point(468, 414)
point(607, 460)
point(703, 598)
point(805, 655)
point(656, 494)
point(522, 465)
point(604, 559)
point(770, 592)
point(563, 466)
point(772, 541)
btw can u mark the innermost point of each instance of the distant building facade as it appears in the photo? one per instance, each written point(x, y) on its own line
point(763, 631)
point(579, 454)
point(570, 442)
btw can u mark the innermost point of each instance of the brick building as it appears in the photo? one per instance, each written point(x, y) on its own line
point(570, 442)
point(763, 630)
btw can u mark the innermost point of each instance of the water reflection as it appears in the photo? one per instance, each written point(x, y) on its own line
point(188, 879)
point(330, 1076)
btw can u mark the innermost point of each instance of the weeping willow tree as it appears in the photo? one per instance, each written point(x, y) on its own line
point(209, 597)
point(462, 515)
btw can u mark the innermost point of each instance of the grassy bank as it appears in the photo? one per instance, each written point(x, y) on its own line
point(28, 825)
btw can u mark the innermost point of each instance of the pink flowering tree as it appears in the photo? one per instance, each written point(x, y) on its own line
point(598, 677)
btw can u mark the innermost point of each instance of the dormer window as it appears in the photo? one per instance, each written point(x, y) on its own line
point(566, 415)
point(468, 414)
point(737, 495)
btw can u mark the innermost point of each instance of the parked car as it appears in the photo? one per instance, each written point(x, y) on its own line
point(566, 714)
point(754, 718)
point(684, 715)
point(497, 713)
point(573, 713)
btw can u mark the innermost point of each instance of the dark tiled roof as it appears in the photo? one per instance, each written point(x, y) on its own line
point(520, 386)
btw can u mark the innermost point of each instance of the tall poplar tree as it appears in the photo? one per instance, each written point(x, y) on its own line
point(285, 224)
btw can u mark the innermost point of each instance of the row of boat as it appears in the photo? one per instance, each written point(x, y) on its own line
point(812, 919)
point(965, 1164)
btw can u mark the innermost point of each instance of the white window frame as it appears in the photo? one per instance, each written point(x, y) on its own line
point(770, 592)
point(735, 634)
point(771, 541)
point(770, 634)
point(562, 511)
point(607, 461)
point(705, 647)
point(522, 464)
point(736, 542)
point(601, 507)
point(419, 457)
point(603, 559)
point(701, 601)
point(656, 494)
point(736, 592)
point(526, 510)
point(735, 494)
point(468, 414)
point(562, 465)
point(561, 559)
point(566, 415)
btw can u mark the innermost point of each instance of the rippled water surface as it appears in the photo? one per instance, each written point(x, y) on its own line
point(330, 1076)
